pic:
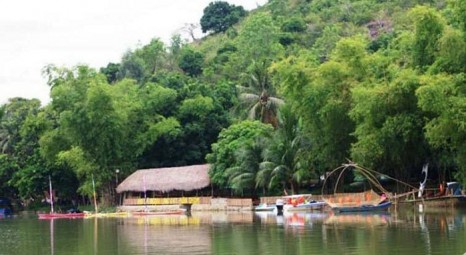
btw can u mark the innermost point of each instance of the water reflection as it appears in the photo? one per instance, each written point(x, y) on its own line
point(52, 237)
point(161, 235)
point(402, 232)
point(354, 219)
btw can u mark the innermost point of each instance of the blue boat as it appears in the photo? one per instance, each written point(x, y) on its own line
point(358, 202)
point(364, 208)
point(5, 207)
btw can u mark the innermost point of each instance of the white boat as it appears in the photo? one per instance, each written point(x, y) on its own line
point(264, 207)
point(302, 203)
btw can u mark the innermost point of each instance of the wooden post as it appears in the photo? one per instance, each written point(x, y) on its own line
point(95, 199)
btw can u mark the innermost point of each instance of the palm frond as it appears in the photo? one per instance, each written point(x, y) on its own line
point(248, 97)
point(253, 112)
point(276, 101)
point(246, 89)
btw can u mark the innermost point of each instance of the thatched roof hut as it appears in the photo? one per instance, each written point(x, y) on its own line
point(184, 178)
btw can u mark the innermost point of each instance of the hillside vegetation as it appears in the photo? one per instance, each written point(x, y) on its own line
point(272, 99)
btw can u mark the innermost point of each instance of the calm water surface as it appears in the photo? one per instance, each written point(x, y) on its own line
point(403, 232)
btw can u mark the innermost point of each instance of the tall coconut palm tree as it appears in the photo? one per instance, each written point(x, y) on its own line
point(258, 96)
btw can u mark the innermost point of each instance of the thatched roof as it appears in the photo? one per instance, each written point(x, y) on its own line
point(184, 178)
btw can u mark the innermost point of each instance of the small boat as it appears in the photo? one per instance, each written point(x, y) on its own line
point(264, 207)
point(46, 216)
point(5, 208)
point(71, 214)
point(452, 196)
point(306, 206)
point(358, 202)
point(383, 206)
point(302, 202)
point(449, 195)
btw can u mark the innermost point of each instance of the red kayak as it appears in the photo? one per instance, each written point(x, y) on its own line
point(45, 216)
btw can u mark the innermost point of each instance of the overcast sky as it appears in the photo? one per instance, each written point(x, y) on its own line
point(93, 32)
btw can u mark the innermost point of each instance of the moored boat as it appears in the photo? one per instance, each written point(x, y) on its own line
point(452, 196)
point(383, 206)
point(304, 202)
point(264, 207)
point(358, 202)
point(71, 214)
point(6, 208)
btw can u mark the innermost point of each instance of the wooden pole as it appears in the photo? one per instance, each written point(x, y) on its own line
point(51, 194)
point(95, 199)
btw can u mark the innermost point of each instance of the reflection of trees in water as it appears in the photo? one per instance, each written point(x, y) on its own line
point(139, 237)
point(409, 232)
point(243, 233)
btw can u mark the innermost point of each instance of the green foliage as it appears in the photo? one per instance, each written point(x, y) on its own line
point(389, 126)
point(457, 13)
point(380, 82)
point(294, 24)
point(131, 67)
point(428, 30)
point(111, 72)
point(451, 56)
point(8, 166)
point(243, 176)
point(445, 97)
point(191, 62)
point(229, 141)
point(219, 16)
point(285, 159)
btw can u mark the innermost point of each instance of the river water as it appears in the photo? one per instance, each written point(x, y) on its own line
point(406, 231)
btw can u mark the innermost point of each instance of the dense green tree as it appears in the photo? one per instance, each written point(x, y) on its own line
point(294, 24)
point(428, 30)
point(444, 96)
point(322, 97)
point(451, 56)
point(152, 56)
point(229, 141)
point(131, 67)
point(111, 72)
point(8, 166)
point(219, 16)
point(389, 126)
point(191, 62)
point(97, 144)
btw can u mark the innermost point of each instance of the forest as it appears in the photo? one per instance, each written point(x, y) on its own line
point(271, 98)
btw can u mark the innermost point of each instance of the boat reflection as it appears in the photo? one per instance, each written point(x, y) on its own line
point(366, 219)
point(291, 218)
